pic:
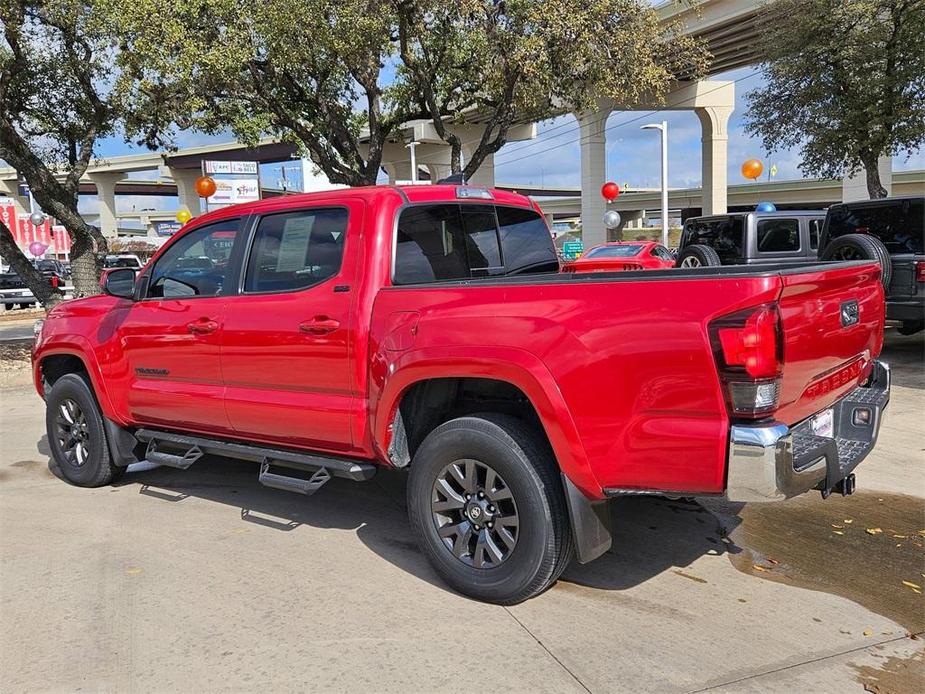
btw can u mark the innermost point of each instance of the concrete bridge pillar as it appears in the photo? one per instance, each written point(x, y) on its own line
point(714, 121)
point(186, 189)
point(106, 194)
point(592, 138)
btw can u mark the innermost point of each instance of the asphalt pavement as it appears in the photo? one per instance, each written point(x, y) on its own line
point(202, 580)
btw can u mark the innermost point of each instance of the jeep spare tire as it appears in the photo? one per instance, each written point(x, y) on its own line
point(861, 247)
point(698, 255)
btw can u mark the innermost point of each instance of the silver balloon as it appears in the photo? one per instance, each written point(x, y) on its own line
point(37, 218)
point(611, 219)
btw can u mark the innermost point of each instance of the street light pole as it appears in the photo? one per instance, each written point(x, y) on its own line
point(663, 127)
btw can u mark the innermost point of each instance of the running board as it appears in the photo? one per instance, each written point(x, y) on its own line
point(293, 484)
point(346, 468)
point(192, 454)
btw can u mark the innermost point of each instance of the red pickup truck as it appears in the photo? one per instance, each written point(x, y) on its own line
point(429, 328)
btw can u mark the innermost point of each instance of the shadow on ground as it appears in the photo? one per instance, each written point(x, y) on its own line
point(652, 534)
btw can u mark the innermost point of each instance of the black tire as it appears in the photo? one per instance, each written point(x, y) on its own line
point(911, 327)
point(521, 457)
point(698, 255)
point(94, 468)
point(860, 247)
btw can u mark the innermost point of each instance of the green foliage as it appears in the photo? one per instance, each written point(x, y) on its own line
point(845, 82)
point(338, 78)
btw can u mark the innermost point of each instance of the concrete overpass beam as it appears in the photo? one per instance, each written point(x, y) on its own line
point(592, 138)
point(106, 195)
point(714, 121)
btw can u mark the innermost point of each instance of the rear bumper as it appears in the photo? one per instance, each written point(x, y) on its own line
point(906, 309)
point(772, 462)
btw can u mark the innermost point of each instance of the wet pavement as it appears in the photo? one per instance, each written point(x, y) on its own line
point(867, 547)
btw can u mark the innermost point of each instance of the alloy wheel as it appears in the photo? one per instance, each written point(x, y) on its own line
point(691, 261)
point(475, 514)
point(72, 432)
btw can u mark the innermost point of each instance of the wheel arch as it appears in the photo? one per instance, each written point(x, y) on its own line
point(512, 378)
point(53, 362)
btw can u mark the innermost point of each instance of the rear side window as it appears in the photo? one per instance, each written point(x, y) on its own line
point(526, 242)
point(452, 242)
point(295, 250)
point(899, 224)
point(725, 236)
point(778, 235)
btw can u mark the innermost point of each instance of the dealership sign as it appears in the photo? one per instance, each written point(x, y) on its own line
point(25, 233)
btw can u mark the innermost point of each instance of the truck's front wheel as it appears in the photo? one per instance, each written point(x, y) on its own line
point(486, 502)
point(76, 434)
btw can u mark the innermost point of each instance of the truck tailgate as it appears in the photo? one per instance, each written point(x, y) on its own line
point(832, 321)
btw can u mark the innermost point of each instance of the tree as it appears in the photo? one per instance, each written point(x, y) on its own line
point(54, 107)
point(338, 77)
point(525, 60)
point(845, 81)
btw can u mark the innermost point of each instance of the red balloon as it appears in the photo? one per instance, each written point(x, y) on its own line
point(610, 190)
point(205, 186)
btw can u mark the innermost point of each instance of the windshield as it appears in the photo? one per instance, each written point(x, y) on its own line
point(46, 265)
point(614, 252)
point(115, 261)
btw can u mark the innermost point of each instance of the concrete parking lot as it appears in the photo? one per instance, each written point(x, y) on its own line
point(202, 580)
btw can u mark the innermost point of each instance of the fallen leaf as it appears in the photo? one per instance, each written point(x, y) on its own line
point(921, 532)
point(838, 532)
point(133, 571)
point(837, 526)
point(773, 561)
point(901, 537)
point(874, 531)
point(867, 632)
point(912, 585)
point(848, 521)
point(761, 568)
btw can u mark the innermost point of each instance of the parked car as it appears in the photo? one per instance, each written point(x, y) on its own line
point(13, 289)
point(128, 260)
point(429, 329)
point(751, 238)
point(892, 232)
point(622, 255)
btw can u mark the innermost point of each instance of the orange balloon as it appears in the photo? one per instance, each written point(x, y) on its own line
point(205, 186)
point(752, 169)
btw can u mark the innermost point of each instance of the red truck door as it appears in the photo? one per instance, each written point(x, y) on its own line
point(171, 337)
point(288, 334)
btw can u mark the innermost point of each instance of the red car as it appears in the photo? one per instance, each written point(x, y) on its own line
point(623, 255)
point(428, 328)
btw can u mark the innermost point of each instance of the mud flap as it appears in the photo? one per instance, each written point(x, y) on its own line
point(590, 520)
point(121, 444)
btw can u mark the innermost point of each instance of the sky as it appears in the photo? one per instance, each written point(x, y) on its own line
point(552, 159)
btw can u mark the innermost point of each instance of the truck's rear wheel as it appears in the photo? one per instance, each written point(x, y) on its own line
point(486, 501)
point(76, 434)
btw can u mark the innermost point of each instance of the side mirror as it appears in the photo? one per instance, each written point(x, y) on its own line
point(119, 282)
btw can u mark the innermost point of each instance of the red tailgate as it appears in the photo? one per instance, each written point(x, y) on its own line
point(833, 326)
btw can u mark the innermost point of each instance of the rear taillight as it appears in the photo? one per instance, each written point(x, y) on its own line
point(920, 271)
point(748, 350)
point(54, 281)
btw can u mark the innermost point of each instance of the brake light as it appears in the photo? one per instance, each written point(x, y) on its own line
point(748, 350)
point(54, 281)
point(920, 271)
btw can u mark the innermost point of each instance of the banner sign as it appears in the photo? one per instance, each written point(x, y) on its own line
point(230, 167)
point(25, 232)
point(167, 228)
point(231, 191)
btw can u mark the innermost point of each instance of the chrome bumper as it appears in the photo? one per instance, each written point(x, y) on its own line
point(772, 462)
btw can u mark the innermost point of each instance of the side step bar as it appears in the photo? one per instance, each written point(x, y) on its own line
point(332, 466)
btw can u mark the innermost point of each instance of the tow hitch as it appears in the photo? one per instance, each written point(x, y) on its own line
point(845, 487)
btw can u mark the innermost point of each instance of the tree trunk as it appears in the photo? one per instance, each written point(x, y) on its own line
point(875, 188)
point(41, 288)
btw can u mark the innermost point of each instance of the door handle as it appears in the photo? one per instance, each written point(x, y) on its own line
point(322, 325)
point(203, 326)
